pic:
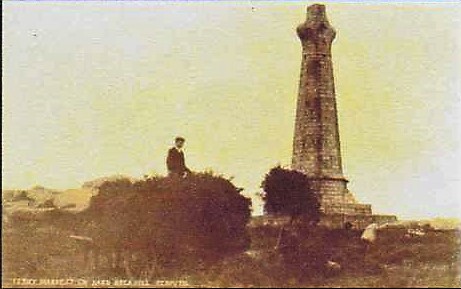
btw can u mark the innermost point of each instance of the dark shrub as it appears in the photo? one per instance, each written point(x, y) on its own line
point(289, 192)
point(22, 196)
point(176, 223)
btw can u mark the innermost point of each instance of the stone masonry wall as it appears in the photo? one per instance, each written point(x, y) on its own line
point(316, 143)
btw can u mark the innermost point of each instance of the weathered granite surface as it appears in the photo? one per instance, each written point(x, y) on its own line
point(316, 143)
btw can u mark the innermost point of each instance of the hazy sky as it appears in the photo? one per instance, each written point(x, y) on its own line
point(97, 89)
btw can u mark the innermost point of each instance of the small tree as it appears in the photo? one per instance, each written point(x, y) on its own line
point(289, 192)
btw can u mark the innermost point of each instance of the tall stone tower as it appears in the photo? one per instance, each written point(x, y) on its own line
point(316, 144)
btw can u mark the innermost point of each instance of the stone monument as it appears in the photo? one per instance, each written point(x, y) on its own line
point(316, 144)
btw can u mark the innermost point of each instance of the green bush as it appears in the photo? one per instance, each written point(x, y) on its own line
point(176, 223)
point(289, 192)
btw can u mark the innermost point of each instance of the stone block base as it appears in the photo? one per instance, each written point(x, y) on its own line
point(333, 221)
point(346, 209)
point(358, 221)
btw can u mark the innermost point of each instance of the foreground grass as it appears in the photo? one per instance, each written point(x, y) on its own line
point(36, 246)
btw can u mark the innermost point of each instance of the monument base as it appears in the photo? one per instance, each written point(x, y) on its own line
point(333, 221)
point(360, 221)
point(336, 198)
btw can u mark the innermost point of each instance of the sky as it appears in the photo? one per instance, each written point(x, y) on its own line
point(93, 89)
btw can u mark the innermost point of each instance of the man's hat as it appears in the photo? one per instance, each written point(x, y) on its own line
point(179, 138)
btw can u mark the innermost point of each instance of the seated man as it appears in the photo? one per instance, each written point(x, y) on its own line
point(175, 162)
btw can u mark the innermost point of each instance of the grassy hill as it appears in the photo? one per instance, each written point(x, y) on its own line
point(37, 245)
point(40, 198)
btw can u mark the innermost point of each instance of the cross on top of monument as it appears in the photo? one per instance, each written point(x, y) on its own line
point(316, 27)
